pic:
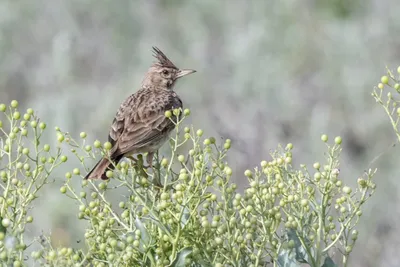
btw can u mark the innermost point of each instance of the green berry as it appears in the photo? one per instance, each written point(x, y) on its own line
point(168, 114)
point(385, 79)
point(12, 136)
point(42, 125)
point(46, 148)
point(6, 222)
point(228, 170)
point(249, 208)
point(338, 140)
point(109, 174)
point(27, 117)
point(3, 107)
point(324, 138)
point(29, 111)
point(14, 103)
point(63, 158)
point(207, 142)
point(33, 124)
point(317, 176)
point(397, 86)
point(17, 115)
point(83, 135)
point(52, 255)
point(76, 171)
point(29, 219)
point(27, 167)
point(60, 137)
point(346, 190)
point(362, 183)
point(63, 189)
point(97, 144)
point(199, 132)
point(107, 145)
point(164, 162)
point(186, 112)
point(349, 249)
point(248, 173)
point(25, 151)
point(380, 86)
point(181, 158)
point(304, 202)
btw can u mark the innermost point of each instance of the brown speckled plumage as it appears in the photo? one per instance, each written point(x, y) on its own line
point(140, 124)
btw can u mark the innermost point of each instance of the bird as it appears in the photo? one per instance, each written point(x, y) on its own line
point(140, 125)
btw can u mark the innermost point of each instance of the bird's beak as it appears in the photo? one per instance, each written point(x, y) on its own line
point(184, 72)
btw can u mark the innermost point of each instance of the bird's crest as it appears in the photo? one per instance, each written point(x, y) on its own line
point(163, 61)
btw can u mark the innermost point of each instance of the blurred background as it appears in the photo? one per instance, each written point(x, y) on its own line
point(269, 73)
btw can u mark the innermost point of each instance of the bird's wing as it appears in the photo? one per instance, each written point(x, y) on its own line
point(140, 121)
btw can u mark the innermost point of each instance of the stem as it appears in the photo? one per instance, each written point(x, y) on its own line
point(318, 243)
point(345, 260)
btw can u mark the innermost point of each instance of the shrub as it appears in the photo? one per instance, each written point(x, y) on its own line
point(184, 212)
point(390, 104)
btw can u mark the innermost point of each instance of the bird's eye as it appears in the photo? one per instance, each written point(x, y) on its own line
point(165, 72)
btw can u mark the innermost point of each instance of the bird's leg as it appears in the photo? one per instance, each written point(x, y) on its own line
point(138, 165)
point(149, 159)
point(156, 175)
point(138, 161)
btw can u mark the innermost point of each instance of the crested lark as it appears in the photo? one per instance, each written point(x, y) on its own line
point(140, 124)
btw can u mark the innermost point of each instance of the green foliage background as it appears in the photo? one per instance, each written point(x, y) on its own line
point(268, 72)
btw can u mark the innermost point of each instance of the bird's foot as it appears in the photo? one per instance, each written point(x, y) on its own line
point(139, 162)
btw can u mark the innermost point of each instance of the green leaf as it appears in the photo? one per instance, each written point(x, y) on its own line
point(144, 235)
point(286, 259)
point(181, 257)
point(301, 253)
point(2, 228)
point(329, 262)
point(185, 217)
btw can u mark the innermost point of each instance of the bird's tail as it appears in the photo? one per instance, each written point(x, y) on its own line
point(100, 169)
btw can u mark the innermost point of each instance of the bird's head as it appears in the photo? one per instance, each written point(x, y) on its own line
point(163, 73)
